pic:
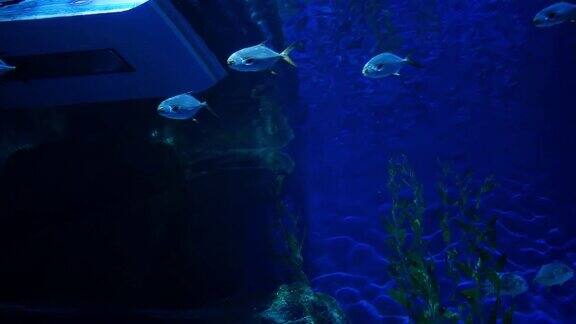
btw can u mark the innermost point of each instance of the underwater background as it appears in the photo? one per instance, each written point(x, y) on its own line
point(315, 195)
point(493, 98)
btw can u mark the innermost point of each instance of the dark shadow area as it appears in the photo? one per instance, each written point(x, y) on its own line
point(103, 221)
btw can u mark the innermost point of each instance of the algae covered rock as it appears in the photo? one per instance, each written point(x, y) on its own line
point(554, 274)
point(298, 303)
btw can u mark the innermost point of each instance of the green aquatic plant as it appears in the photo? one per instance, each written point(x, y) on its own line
point(290, 230)
point(468, 256)
point(298, 303)
point(272, 129)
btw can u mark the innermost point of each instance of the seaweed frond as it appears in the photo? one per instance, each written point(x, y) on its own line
point(468, 259)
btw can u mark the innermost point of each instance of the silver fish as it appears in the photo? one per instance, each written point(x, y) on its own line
point(555, 14)
point(258, 58)
point(181, 107)
point(387, 64)
point(5, 68)
point(554, 274)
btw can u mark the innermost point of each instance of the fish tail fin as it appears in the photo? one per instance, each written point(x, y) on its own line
point(7, 66)
point(410, 60)
point(286, 54)
point(207, 106)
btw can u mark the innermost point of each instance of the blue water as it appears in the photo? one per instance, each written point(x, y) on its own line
point(495, 97)
point(179, 216)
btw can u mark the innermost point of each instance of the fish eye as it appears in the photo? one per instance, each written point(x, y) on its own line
point(249, 61)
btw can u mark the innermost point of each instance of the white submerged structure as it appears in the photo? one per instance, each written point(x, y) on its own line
point(43, 9)
point(150, 52)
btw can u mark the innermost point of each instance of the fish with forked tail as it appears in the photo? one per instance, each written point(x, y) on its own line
point(387, 64)
point(5, 68)
point(182, 107)
point(258, 58)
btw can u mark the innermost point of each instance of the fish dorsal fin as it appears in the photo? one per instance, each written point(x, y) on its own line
point(264, 43)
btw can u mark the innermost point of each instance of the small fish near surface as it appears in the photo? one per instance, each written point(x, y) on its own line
point(182, 107)
point(5, 68)
point(258, 58)
point(387, 64)
point(556, 14)
point(554, 274)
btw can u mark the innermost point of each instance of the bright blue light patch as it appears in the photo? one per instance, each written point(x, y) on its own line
point(42, 9)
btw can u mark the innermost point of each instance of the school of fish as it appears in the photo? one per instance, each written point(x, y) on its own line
point(261, 58)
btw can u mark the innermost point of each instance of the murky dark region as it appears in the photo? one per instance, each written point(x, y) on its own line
point(287, 161)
